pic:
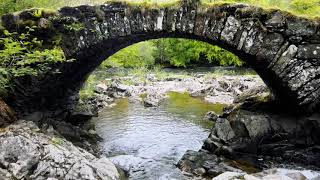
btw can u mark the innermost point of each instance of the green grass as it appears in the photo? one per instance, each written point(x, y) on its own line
point(305, 8)
point(88, 90)
point(219, 73)
point(308, 8)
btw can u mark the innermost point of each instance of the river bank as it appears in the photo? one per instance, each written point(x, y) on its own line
point(28, 152)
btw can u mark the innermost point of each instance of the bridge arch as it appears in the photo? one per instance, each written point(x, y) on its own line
point(283, 49)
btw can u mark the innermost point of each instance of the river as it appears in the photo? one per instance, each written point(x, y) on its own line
point(148, 142)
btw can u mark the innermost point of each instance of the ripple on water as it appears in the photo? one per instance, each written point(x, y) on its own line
point(148, 142)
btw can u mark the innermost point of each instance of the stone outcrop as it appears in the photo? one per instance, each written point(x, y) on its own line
point(26, 153)
point(80, 133)
point(254, 137)
point(205, 164)
point(282, 48)
point(248, 134)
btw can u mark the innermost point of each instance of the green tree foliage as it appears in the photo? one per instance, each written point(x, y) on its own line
point(184, 52)
point(137, 55)
point(172, 51)
point(22, 55)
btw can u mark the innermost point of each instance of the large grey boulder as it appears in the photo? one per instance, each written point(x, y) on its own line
point(203, 163)
point(244, 134)
point(26, 153)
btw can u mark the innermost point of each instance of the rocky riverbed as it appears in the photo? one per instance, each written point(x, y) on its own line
point(152, 90)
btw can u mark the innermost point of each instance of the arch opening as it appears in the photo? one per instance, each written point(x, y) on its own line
point(158, 111)
point(172, 53)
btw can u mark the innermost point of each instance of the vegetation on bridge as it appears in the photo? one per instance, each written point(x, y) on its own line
point(309, 8)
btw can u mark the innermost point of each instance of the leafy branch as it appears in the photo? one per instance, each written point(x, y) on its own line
point(23, 55)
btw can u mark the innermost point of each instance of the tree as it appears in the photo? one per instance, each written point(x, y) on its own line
point(184, 52)
point(137, 55)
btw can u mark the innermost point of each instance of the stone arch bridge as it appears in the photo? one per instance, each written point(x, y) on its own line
point(282, 48)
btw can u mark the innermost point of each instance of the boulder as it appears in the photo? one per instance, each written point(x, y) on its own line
point(81, 136)
point(257, 94)
point(256, 124)
point(80, 115)
point(270, 174)
point(229, 176)
point(223, 130)
point(26, 153)
point(212, 116)
point(286, 174)
point(247, 133)
point(152, 100)
point(204, 163)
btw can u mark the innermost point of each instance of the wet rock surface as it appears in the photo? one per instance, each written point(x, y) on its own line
point(205, 164)
point(284, 137)
point(26, 153)
point(212, 116)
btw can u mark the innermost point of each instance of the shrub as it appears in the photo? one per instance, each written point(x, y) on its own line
point(23, 55)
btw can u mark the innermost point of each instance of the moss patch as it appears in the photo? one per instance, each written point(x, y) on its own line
point(57, 141)
point(75, 27)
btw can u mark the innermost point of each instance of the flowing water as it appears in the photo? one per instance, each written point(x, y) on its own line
point(148, 142)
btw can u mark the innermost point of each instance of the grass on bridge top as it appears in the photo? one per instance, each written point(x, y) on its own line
point(306, 8)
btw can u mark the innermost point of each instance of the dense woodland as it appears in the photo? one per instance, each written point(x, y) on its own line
point(172, 52)
point(22, 55)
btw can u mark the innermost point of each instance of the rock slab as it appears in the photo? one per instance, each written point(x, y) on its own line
point(26, 153)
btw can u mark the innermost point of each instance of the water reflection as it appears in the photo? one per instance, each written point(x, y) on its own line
point(191, 109)
point(148, 142)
